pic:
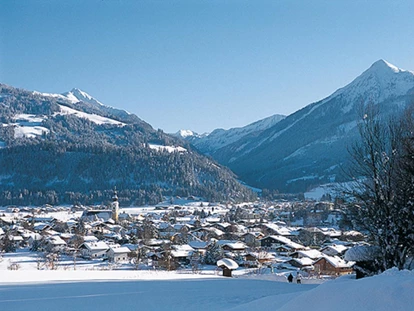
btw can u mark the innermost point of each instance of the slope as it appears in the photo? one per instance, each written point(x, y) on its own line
point(309, 147)
point(219, 138)
point(55, 149)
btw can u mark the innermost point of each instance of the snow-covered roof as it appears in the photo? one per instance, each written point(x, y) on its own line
point(116, 249)
point(56, 240)
point(280, 230)
point(228, 263)
point(311, 253)
point(94, 246)
point(184, 247)
point(288, 242)
point(338, 248)
point(305, 261)
point(198, 244)
point(337, 262)
point(236, 245)
point(90, 238)
point(181, 253)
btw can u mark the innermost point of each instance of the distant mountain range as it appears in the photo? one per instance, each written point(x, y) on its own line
point(310, 146)
point(67, 148)
point(219, 138)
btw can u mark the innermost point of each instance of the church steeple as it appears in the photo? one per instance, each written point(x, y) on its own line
point(115, 206)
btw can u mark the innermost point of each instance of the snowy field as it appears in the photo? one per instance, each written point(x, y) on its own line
point(95, 289)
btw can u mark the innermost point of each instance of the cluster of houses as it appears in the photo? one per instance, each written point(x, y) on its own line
point(186, 236)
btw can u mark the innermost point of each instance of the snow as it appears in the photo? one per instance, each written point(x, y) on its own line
point(28, 125)
point(220, 138)
point(169, 149)
point(71, 98)
point(185, 133)
point(382, 79)
point(228, 263)
point(68, 289)
point(91, 117)
point(29, 131)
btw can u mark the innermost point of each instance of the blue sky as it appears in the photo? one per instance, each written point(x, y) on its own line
point(201, 64)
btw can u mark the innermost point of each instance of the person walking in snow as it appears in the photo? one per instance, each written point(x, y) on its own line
point(290, 278)
point(298, 278)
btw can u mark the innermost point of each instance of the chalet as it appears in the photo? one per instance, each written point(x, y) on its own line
point(198, 245)
point(330, 265)
point(300, 263)
point(94, 250)
point(208, 232)
point(259, 257)
point(93, 215)
point(54, 243)
point(234, 246)
point(181, 254)
point(334, 250)
point(312, 254)
point(117, 253)
point(273, 229)
point(274, 241)
point(331, 233)
point(39, 227)
point(252, 238)
point(17, 240)
point(6, 221)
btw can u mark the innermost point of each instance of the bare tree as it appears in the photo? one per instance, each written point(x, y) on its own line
point(383, 207)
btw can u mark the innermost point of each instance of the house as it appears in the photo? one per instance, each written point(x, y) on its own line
point(94, 250)
point(93, 215)
point(252, 238)
point(310, 253)
point(54, 243)
point(234, 246)
point(255, 258)
point(274, 241)
point(334, 250)
point(17, 240)
point(274, 229)
point(117, 253)
point(40, 226)
point(227, 265)
point(181, 254)
point(332, 265)
point(301, 263)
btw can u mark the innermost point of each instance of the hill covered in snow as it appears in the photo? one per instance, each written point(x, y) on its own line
point(219, 138)
point(310, 146)
point(67, 148)
point(124, 290)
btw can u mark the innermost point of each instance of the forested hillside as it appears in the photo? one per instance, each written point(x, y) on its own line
point(55, 149)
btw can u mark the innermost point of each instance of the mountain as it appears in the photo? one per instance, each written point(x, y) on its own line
point(83, 101)
point(63, 148)
point(219, 138)
point(310, 146)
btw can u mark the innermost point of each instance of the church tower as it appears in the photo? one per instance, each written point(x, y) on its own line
point(115, 206)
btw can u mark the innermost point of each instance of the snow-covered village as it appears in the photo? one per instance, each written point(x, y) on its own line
point(206, 155)
point(278, 249)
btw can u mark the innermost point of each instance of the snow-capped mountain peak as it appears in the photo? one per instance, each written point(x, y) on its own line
point(383, 65)
point(79, 95)
point(185, 133)
point(379, 82)
point(219, 138)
